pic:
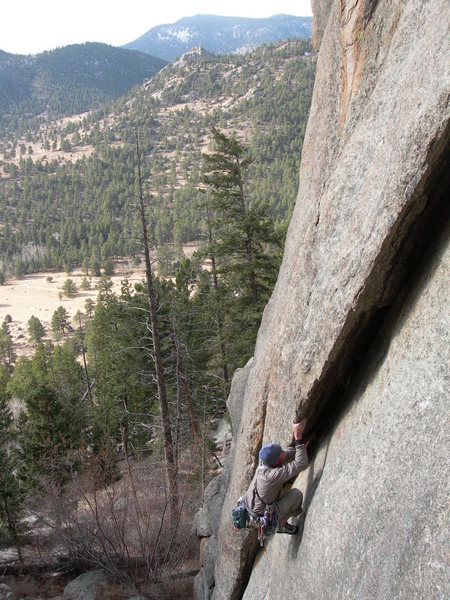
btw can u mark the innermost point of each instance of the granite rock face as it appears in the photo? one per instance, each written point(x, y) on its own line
point(373, 199)
point(321, 10)
point(376, 493)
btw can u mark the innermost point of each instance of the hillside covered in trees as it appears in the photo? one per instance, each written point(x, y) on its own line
point(67, 81)
point(67, 187)
point(219, 34)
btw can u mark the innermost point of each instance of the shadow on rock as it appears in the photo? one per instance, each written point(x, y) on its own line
point(315, 472)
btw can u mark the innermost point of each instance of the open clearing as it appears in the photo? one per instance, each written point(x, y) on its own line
point(34, 295)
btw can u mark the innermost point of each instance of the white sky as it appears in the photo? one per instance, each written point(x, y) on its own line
point(32, 26)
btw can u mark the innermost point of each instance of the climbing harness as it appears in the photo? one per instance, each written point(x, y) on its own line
point(244, 517)
point(266, 524)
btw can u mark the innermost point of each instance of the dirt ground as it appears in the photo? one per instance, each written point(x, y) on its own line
point(35, 295)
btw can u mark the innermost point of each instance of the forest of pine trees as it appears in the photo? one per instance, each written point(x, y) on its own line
point(82, 205)
point(157, 358)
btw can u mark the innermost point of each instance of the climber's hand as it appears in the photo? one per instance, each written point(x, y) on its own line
point(298, 429)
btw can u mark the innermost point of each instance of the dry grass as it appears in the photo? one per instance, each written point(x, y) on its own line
point(34, 295)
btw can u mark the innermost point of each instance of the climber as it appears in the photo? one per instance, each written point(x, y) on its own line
point(278, 467)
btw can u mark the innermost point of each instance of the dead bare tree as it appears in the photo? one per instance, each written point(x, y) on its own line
point(156, 351)
point(86, 372)
point(122, 527)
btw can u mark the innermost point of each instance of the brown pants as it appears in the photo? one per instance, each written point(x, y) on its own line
point(290, 504)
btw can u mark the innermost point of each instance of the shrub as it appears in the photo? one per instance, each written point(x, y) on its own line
point(69, 288)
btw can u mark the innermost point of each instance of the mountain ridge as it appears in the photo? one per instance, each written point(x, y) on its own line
point(220, 35)
point(89, 73)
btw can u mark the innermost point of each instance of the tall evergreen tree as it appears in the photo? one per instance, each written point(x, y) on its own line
point(36, 330)
point(60, 322)
point(7, 353)
point(50, 384)
point(115, 341)
point(243, 242)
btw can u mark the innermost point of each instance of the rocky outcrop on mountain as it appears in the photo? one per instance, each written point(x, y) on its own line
point(193, 55)
point(355, 336)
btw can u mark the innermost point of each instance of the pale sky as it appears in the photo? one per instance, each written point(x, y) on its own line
point(32, 26)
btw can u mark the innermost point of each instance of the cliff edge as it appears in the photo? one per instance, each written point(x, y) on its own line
point(356, 334)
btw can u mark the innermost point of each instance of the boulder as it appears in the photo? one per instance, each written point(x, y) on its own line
point(206, 520)
point(5, 591)
point(209, 557)
point(200, 589)
point(88, 586)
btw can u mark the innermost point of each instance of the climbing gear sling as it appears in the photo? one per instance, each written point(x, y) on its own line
point(243, 516)
point(267, 524)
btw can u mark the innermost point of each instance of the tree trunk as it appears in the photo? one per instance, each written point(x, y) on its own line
point(248, 241)
point(124, 429)
point(219, 310)
point(182, 377)
point(160, 379)
point(86, 373)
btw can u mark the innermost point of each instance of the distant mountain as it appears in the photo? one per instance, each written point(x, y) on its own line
point(220, 35)
point(69, 80)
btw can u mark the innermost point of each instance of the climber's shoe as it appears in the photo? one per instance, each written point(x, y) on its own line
point(288, 528)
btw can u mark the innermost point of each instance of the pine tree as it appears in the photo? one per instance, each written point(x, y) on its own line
point(42, 439)
point(60, 322)
point(51, 385)
point(244, 244)
point(115, 342)
point(69, 288)
point(7, 354)
point(36, 330)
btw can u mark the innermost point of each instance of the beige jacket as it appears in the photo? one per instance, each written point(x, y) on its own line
point(270, 480)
